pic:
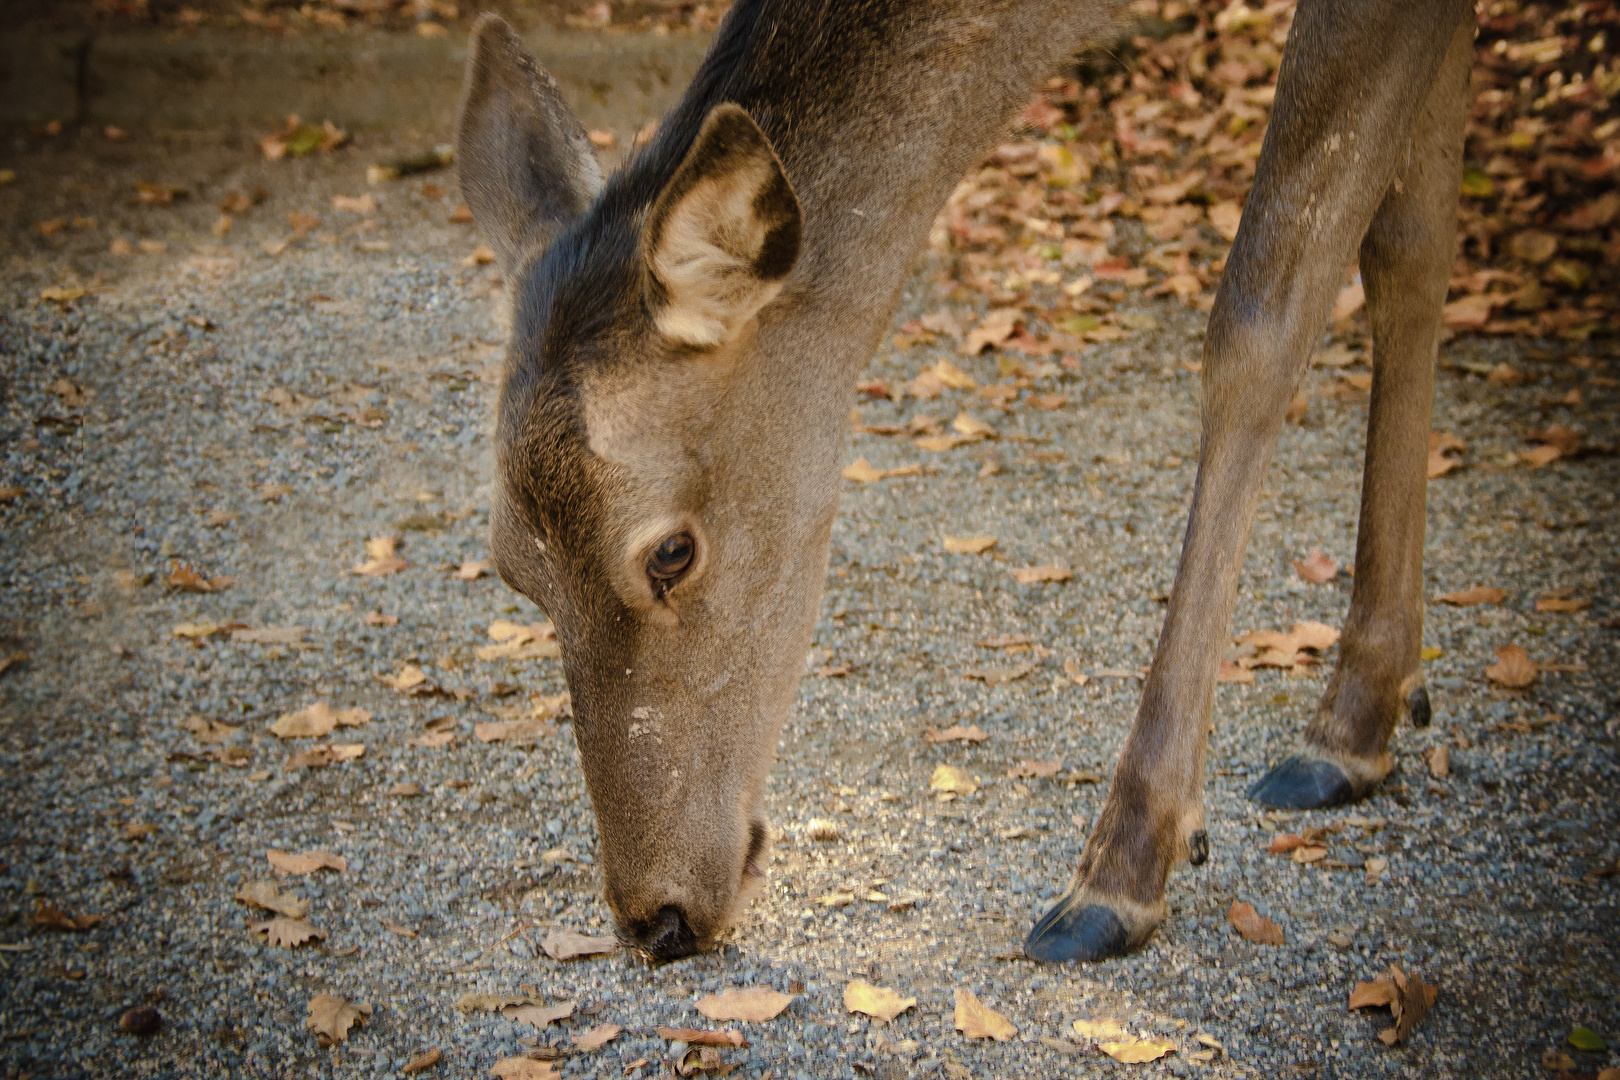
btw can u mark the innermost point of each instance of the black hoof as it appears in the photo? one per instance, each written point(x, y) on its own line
point(1418, 702)
point(1303, 784)
point(1198, 848)
point(1093, 932)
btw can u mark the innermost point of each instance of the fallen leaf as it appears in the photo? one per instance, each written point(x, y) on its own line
point(265, 894)
point(136, 830)
point(197, 631)
point(1034, 769)
point(186, 579)
point(331, 1017)
point(285, 933)
point(377, 618)
point(350, 204)
point(433, 740)
point(317, 721)
point(1584, 1038)
point(860, 471)
point(538, 1016)
point(1283, 843)
point(208, 731)
point(513, 731)
point(1375, 867)
point(522, 1068)
point(380, 558)
point(1562, 605)
point(754, 1005)
point(1309, 853)
point(969, 545)
point(410, 676)
point(1540, 455)
point(1479, 594)
point(427, 1060)
point(49, 915)
point(1230, 672)
point(1440, 762)
point(318, 757)
point(956, 732)
point(1137, 1051)
point(861, 996)
point(995, 676)
point(516, 641)
point(1030, 575)
point(597, 1037)
point(700, 1037)
point(473, 569)
point(976, 1020)
point(1252, 925)
point(269, 635)
point(484, 1001)
point(1006, 641)
point(950, 778)
point(1317, 568)
point(568, 944)
point(410, 789)
point(1106, 1027)
point(1513, 668)
point(398, 928)
point(305, 862)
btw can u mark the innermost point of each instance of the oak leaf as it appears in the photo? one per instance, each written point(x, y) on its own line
point(538, 1016)
point(597, 1037)
point(861, 996)
point(1513, 668)
point(1252, 925)
point(976, 1020)
point(265, 894)
point(754, 1004)
point(331, 1017)
point(316, 721)
point(285, 933)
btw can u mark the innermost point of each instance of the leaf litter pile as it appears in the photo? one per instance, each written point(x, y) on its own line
point(1122, 182)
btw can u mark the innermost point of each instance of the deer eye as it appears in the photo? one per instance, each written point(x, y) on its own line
point(670, 559)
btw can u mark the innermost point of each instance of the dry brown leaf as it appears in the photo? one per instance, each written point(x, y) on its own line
point(426, 1061)
point(380, 558)
point(1440, 762)
point(1409, 999)
point(597, 1037)
point(567, 945)
point(753, 1005)
point(186, 579)
point(1006, 641)
point(473, 569)
point(973, 733)
point(1230, 672)
point(950, 778)
point(1538, 456)
point(995, 676)
point(331, 1017)
point(317, 720)
point(1137, 1051)
point(522, 1068)
point(409, 789)
point(1034, 769)
point(1252, 925)
point(514, 731)
point(409, 678)
point(318, 757)
point(861, 996)
point(137, 830)
point(1513, 668)
point(1031, 575)
point(305, 862)
point(265, 894)
point(209, 731)
point(1562, 605)
point(968, 545)
point(1479, 594)
point(49, 915)
point(377, 618)
point(433, 740)
point(976, 1020)
point(1317, 568)
point(1283, 843)
point(398, 928)
point(285, 933)
point(1309, 853)
point(269, 635)
point(1105, 1027)
point(860, 471)
point(538, 1016)
point(700, 1037)
point(516, 641)
point(483, 1001)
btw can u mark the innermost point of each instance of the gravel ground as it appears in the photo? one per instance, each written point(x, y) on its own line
point(1490, 889)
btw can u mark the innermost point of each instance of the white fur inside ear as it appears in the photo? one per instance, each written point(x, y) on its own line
point(705, 258)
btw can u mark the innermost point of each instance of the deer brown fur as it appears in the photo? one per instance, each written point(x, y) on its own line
point(686, 333)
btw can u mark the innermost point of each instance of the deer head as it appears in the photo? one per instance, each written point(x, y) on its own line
point(655, 493)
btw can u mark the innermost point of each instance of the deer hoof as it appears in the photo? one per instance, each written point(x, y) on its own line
point(1198, 848)
point(1417, 702)
point(1089, 932)
point(1302, 783)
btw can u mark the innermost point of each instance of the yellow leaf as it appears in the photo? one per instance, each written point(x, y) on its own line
point(1105, 1027)
point(971, 427)
point(953, 376)
point(969, 545)
point(977, 1020)
point(950, 778)
point(879, 1001)
point(1137, 1051)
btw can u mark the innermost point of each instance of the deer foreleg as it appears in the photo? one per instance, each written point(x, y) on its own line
point(1354, 79)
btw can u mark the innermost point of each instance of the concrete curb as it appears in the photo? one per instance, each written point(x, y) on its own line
point(209, 80)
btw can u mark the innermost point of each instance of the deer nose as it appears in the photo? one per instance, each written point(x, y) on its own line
point(666, 936)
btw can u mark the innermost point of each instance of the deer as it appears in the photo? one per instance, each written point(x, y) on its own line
point(685, 338)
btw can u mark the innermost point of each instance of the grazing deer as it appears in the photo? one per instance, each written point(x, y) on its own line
point(686, 333)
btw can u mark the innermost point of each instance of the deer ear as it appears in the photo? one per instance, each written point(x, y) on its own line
point(526, 165)
point(723, 233)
